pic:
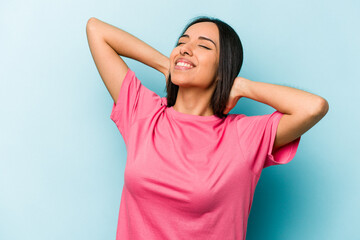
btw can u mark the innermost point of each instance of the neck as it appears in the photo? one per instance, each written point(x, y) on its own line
point(194, 101)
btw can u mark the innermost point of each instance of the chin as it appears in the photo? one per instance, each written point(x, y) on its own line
point(181, 83)
point(180, 80)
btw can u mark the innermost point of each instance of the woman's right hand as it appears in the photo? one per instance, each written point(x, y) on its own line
point(107, 42)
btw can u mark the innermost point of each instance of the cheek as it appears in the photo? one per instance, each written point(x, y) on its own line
point(173, 53)
point(171, 58)
point(211, 62)
point(209, 59)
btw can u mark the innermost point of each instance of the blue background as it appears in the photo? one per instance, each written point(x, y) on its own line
point(62, 159)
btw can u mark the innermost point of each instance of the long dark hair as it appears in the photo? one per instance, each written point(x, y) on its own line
point(230, 62)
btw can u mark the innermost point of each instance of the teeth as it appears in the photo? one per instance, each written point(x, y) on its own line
point(182, 64)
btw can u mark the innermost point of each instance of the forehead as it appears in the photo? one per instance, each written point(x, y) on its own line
point(206, 29)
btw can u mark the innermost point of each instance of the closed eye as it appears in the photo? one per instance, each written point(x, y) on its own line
point(205, 47)
point(179, 43)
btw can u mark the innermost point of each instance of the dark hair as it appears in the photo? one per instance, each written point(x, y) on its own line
point(230, 62)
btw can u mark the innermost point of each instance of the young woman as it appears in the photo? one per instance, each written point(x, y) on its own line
point(192, 168)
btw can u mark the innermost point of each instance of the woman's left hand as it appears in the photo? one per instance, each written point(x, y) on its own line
point(235, 94)
point(301, 110)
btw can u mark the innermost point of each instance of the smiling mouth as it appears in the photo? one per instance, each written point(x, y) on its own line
point(180, 65)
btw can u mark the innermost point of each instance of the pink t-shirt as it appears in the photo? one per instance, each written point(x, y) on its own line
point(189, 176)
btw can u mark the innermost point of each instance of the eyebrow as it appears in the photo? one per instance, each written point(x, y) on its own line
point(201, 37)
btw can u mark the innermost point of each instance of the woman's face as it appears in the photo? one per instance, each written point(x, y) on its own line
point(195, 60)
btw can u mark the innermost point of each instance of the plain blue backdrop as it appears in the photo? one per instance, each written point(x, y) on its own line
point(62, 159)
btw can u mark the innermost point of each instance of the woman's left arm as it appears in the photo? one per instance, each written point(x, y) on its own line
point(301, 110)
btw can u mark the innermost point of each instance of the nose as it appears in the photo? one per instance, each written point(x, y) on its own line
point(186, 49)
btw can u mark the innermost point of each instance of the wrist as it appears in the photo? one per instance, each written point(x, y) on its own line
point(242, 86)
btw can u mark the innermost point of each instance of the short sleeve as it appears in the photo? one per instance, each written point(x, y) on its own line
point(134, 102)
point(257, 137)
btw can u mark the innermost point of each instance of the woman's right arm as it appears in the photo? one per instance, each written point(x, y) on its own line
point(107, 42)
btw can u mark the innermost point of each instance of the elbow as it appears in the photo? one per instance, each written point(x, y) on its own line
point(90, 23)
point(92, 19)
point(320, 108)
point(323, 107)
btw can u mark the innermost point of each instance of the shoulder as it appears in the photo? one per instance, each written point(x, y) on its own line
point(257, 118)
point(246, 123)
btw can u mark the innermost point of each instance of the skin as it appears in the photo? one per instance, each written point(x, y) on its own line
point(301, 110)
point(196, 84)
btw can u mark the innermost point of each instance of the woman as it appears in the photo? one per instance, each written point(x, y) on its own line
point(191, 167)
